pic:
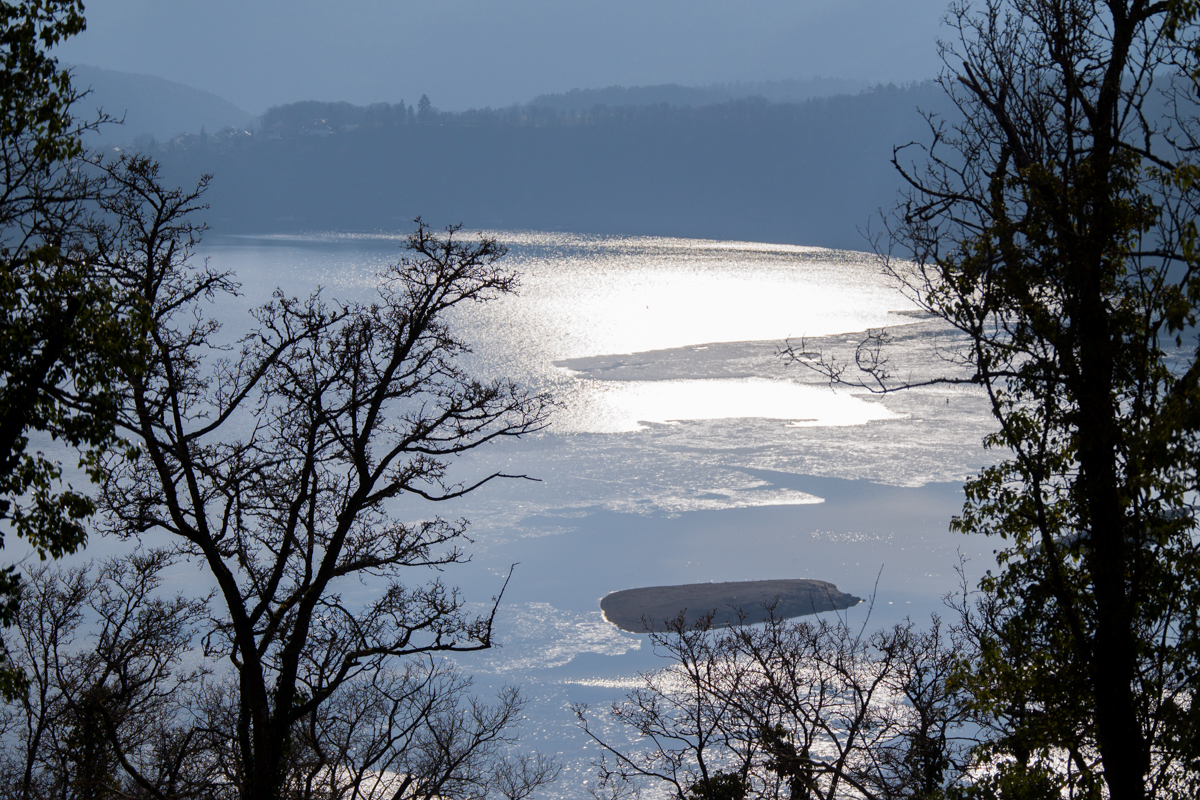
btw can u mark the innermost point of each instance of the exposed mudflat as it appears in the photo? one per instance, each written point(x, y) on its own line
point(651, 608)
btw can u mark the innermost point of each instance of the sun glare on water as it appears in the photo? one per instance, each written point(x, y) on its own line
point(621, 406)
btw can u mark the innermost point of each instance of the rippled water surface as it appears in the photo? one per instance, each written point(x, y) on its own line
point(686, 449)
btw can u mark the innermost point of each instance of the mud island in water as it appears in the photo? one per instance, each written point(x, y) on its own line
point(651, 608)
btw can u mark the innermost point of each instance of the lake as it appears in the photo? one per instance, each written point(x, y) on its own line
point(686, 449)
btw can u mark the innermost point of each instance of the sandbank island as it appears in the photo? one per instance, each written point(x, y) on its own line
point(649, 609)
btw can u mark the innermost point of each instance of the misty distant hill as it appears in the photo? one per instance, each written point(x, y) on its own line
point(806, 173)
point(151, 106)
point(788, 91)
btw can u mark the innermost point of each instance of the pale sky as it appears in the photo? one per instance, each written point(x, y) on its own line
point(474, 53)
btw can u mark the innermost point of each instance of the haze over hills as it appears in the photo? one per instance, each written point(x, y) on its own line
point(161, 108)
point(469, 54)
point(151, 105)
point(809, 173)
point(784, 91)
point(656, 160)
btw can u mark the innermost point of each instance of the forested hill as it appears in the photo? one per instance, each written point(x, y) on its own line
point(805, 173)
point(149, 105)
point(789, 91)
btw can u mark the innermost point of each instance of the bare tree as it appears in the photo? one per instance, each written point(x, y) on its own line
point(792, 709)
point(415, 733)
point(272, 463)
point(110, 665)
point(123, 703)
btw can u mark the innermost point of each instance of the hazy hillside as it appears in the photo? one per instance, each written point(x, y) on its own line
point(807, 173)
point(152, 106)
point(789, 91)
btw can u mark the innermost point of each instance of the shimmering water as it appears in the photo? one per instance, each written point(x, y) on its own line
point(686, 449)
point(593, 296)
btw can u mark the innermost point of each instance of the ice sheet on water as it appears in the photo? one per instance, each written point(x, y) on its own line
point(537, 636)
point(665, 408)
point(714, 464)
point(666, 354)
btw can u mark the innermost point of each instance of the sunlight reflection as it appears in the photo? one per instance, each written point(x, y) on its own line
point(621, 406)
point(591, 303)
point(592, 296)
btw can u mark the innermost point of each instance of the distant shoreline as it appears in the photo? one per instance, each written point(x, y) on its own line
point(810, 173)
point(653, 608)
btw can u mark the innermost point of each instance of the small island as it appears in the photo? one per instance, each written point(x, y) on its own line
point(649, 609)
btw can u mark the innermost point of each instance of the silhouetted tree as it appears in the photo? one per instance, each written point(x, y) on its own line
point(792, 709)
point(1054, 228)
point(123, 703)
point(107, 705)
point(273, 467)
point(62, 330)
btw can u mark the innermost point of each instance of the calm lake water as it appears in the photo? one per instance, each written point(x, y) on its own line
point(686, 450)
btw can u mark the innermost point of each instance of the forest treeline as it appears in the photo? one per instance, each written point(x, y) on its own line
point(784, 91)
point(805, 173)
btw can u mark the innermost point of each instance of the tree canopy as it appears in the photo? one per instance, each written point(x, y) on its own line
point(1055, 228)
point(63, 331)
